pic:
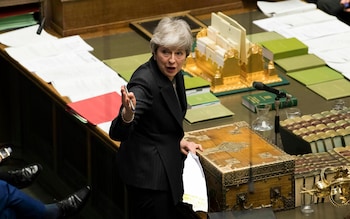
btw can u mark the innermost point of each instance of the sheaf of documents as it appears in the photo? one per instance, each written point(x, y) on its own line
point(284, 7)
point(195, 188)
point(24, 36)
point(65, 62)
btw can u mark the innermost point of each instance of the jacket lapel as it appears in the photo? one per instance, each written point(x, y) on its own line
point(177, 108)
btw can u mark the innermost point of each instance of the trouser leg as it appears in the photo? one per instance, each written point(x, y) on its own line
point(19, 202)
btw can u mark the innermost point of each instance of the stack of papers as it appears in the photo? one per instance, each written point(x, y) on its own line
point(67, 63)
point(326, 37)
point(284, 7)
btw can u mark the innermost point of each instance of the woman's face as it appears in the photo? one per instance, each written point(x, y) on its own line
point(170, 60)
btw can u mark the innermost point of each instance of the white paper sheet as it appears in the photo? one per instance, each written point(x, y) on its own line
point(195, 187)
point(25, 36)
point(47, 49)
point(293, 20)
point(85, 87)
point(284, 7)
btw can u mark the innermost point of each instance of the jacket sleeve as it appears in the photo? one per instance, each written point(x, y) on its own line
point(121, 131)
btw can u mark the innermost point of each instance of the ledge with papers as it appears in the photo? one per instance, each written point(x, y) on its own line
point(99, 109)
point(316, 29)
point(284, 7)
point(67, 64)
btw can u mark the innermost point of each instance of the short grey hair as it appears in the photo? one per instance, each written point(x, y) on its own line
point(172, 32)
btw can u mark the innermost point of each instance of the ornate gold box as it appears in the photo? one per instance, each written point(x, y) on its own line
point(243, 170)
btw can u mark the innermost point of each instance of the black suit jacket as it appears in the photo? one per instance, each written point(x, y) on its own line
point(149, 155)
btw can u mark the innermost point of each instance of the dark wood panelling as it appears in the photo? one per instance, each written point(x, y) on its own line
point(81, 16)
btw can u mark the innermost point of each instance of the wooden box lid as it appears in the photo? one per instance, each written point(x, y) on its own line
point(234, 152)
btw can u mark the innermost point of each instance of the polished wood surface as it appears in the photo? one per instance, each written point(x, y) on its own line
point(77, 17)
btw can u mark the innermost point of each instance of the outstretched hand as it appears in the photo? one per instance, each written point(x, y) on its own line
point(129, 104)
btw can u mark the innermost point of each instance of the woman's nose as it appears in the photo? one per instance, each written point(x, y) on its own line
point(172, 58)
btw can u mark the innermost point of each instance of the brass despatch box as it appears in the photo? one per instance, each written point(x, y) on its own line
point(243, 170)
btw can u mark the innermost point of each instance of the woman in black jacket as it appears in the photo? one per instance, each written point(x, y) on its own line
point(150, 126)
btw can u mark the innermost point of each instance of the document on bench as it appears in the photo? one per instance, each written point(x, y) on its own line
point(47, 49)
point(293, 20)
point(98, 109)
point(284, 7)
point(85, 87)
point(25, 36)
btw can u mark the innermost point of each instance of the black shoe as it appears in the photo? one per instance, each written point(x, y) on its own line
point(24, 177)
point(74, 203)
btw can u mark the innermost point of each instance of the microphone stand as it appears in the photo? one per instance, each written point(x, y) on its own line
point(277, 118)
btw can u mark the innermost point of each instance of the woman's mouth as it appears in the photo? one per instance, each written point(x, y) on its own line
point(170, 69)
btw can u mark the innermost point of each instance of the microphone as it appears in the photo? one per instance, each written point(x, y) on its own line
point(262, 86)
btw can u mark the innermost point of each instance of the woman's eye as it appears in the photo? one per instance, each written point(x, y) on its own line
point(166, 52)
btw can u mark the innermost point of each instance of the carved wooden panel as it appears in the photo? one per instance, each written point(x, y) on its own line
point(79, 16)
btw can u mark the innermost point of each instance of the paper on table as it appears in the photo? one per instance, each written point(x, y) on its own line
point(284, 7)
point(339, 55)
point(84, 87)
point(294, 20)
point(98, 109)
point(61, 64)
point(321, 44)
point(338, 58)
point(344, 68)
point(105, 126)
point(47, 49)
point(312, 31)
point(25, 36)
point(78, 68)
point(195, 187)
